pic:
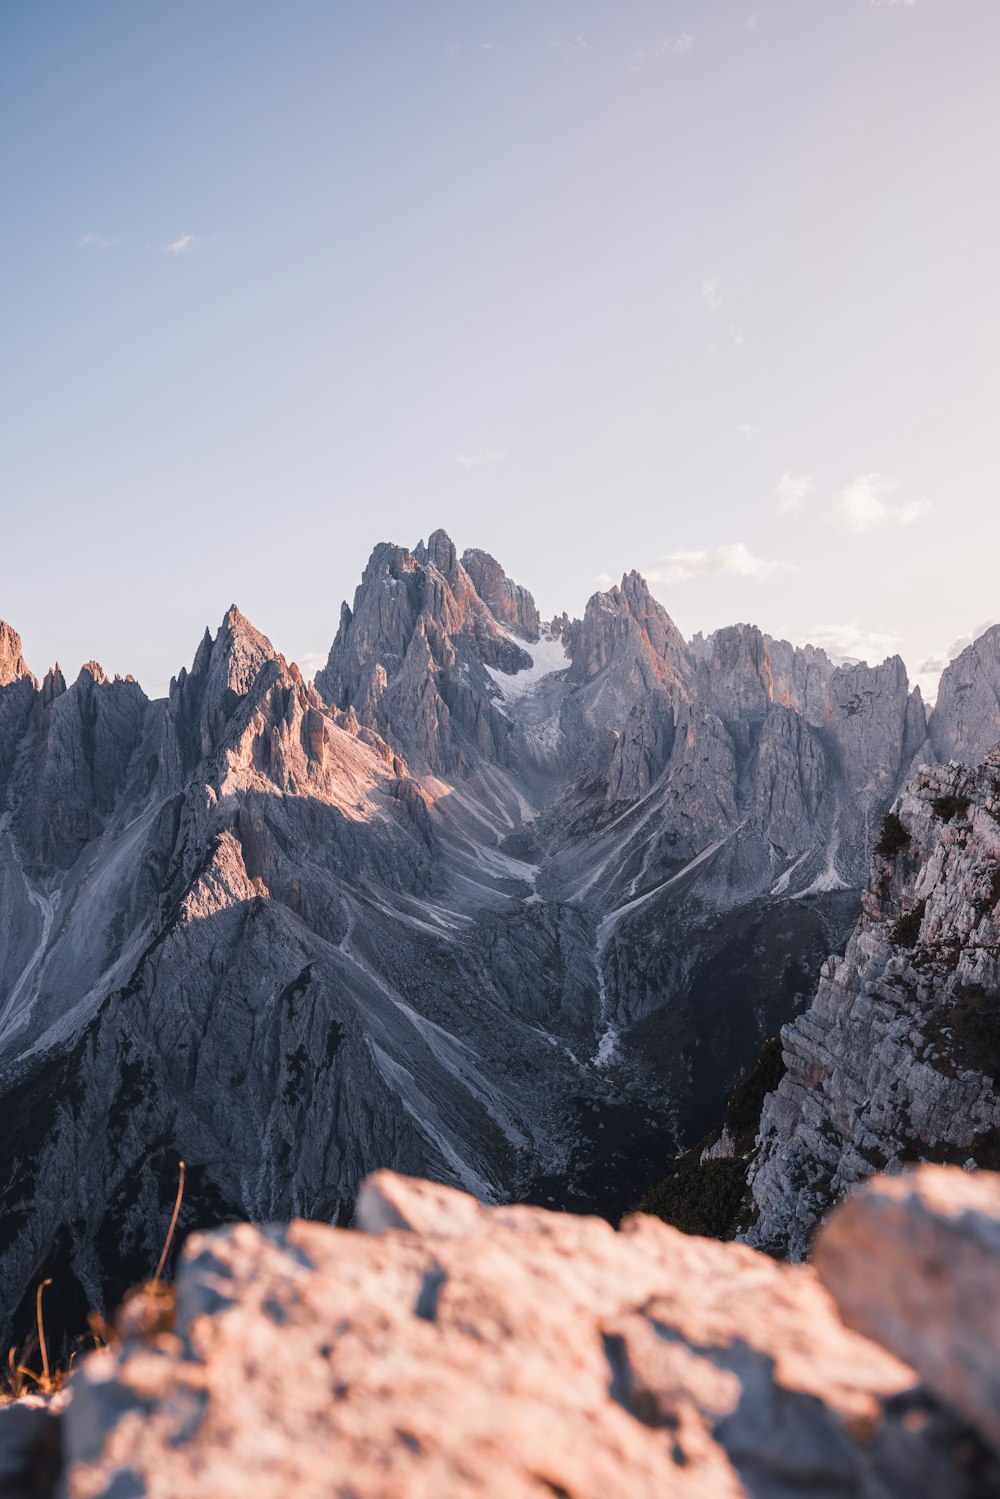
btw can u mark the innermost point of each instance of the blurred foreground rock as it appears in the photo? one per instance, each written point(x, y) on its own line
point(452, 1349)
point(914, 1262)
point(449, 1349)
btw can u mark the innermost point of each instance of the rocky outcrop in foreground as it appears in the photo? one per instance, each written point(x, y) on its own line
point(898, 1058)
point(452, 1349)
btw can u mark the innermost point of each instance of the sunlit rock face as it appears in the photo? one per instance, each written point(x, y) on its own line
point(898, 1057)
point(505, 903)
point(451, 1349)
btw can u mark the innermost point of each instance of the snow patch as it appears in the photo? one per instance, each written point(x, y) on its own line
point(547, 656)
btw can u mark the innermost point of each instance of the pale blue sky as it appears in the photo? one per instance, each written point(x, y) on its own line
point(582, 282)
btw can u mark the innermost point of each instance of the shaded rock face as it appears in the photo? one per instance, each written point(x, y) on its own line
point(450, 1349)
point(965, 724)
point(506, 600)
point(512, 912)
point(898, 1057)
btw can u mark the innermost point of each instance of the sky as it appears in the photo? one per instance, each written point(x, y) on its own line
point(708, 288)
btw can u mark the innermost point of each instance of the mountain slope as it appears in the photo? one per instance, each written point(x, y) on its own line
point(505, 903)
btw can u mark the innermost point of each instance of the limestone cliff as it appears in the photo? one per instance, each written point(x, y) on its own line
point(898, 1057)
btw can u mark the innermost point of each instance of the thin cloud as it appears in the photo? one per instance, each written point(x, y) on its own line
point(675, 46)
point(748, 430)
point(861, 505)
point(578, 44)
point(310, 662)
point(852, 642)
point(790, 493)
point(99, 241)
point(481, 459)
point(894, 4)
point(736, 559)
point(710, 291)
point(184, 244)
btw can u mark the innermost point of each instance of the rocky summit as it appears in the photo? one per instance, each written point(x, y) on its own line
point(446, 1348)
point(505, 903)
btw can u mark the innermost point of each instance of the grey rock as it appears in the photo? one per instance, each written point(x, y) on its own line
point(30, 1447)
point(965, 724)
point(508, 602)
point(914, 1262)
point(895, 1059)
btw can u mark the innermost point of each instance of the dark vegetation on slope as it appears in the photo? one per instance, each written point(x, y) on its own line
point(706, 1197)
point(893, 838)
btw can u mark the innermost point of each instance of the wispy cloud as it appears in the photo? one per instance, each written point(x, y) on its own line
point(790, 492)
point(854, 642)
point(184, 244)
point(748, 430)
point(902, 4)
point(674, 46)
point(99, 241)
point(752, 20)
point(578, 44)
point(737, 559)
point(310, 662)
point(710, 291)
point(481, 459)
point(861, 505)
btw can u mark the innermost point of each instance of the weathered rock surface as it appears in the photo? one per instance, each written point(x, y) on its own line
point(452, 1349)
point(507, 601)
point(965, 724)
point(898, 1057)
point(12, 663)
point(914, 1262)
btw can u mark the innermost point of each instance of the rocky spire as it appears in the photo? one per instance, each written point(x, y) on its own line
point(412, 658)
point(627, 622)
point(12, 665)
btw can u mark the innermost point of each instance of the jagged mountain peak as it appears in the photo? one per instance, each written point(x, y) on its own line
point(53, 684)
point(91, 672)
point(509, 603)
point(627, 621)
point(12, 663)
point(412, 656)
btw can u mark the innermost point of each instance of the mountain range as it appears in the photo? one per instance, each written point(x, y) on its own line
point(505, 903)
